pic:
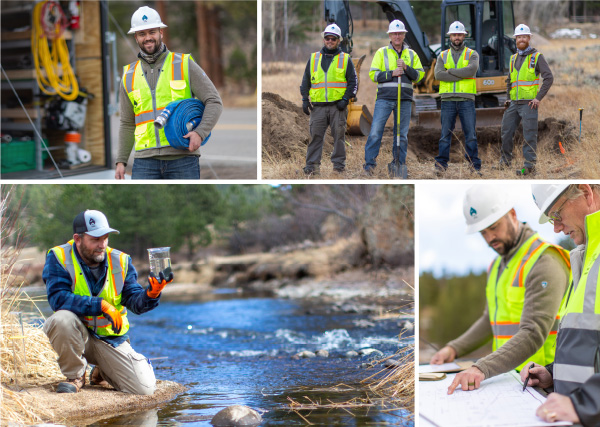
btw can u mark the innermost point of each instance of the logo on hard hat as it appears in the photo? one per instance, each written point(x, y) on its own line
point(544, 285)
point(397, 25)
point(473, 213)
point(521, 28)
point(92, 222)
point(145, 18)
point(457, 27)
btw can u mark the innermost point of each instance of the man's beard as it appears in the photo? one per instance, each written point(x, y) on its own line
point(156, 45)
point(90, 257)
point(457, 42)
point(508, 243)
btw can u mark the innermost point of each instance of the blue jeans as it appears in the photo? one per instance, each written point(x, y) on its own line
point(383, 109)
point(187, 167)
point(465, 110)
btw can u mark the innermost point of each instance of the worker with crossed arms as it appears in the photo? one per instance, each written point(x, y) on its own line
point(90, 288)
point(525, 286)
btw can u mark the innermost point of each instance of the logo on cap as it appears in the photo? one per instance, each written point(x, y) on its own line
point(92, 222)
point(145, 18)
point(473, 213)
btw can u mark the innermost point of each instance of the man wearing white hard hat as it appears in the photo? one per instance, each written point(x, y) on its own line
point(456, 68)
point(90, 288)
point(394, 68)
point(523, 96)
point(574, 210)
point(525, 286)
point(328, 85)
point(149, 84)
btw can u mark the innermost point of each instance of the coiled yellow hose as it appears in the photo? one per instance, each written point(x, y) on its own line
point(53, 60)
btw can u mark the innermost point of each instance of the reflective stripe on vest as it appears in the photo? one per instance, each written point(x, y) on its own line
point(331, 85)
point(506, 297)
point(466, 85)
point(173, 85)
point(111, 291)
point(524, 83)
point(386, 61)
point(578, 342)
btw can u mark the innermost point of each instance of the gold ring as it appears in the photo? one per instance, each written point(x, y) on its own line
point(471, 384)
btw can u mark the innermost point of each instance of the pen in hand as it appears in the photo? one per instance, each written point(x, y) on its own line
point(529, 375)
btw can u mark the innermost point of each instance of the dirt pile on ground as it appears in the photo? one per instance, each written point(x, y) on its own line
point(285, 129)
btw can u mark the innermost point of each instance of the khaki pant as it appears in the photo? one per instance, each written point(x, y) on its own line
point(121, 367)
point(322, 117)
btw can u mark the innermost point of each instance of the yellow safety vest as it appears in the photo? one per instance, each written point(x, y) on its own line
point(386, 59)
point(331, 86)
point(111, 292)
point(578, 341)
point(466, 85)
point(524, 83)
point(173, 85)
point(506, 296)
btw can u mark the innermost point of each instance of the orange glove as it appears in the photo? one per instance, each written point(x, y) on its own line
point(157, 284)
point(113, 316)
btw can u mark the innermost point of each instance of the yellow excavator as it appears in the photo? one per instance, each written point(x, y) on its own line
point(490, 24)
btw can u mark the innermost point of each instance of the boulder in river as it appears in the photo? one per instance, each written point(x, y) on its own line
point(351, 353)
point(323, 353)
point(236, 416)
point(305, 355)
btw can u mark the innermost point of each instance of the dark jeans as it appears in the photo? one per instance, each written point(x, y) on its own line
point(465, 110)
point(383, 109)
point(510, 122)
point(187, 167)
point(321, 117)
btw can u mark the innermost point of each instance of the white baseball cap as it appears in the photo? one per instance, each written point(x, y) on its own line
point(93, 223)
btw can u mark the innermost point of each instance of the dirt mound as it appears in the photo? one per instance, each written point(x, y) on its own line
point(285, 128)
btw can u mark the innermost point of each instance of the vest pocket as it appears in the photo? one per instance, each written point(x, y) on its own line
point(177, 89)
point(515, 298)
point(136, 100)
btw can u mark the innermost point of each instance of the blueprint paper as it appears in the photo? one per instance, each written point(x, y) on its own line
point(444, 367)
point(499, 401)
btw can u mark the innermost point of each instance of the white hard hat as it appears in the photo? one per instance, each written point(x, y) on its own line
point(397, 26)
point(456, 28)
point(522, 30)
point(145, 18)
point(334, 30)
point(485, 204)
point(544, 196)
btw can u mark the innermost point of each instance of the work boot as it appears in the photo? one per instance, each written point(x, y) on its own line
point(369, 171)
point(476, 172)
point(439, 170)
point(339, 169)
point(71, 385)
point(526, 171)
point(309, 170)
point(96, 377)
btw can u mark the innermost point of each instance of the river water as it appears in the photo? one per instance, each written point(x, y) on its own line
point(233, 349)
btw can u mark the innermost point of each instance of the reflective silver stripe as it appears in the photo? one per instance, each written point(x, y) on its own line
point(386, 60)
point(572, 373)
point(376, 75)
point(117, 270)
point(535, 245)
point(589, 321)
point(420, 70)
point(341, 60)
point(177, 60)
point(69, 263)
point(317, 58)
point(591, 287)
point(412, 57)
point(525, 83)
point(337, 85)
point(129, 77)
point(395, 84)
point(555, 325)
point(509, 330)
point(144, 117)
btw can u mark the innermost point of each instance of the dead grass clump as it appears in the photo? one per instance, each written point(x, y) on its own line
point(26, 356)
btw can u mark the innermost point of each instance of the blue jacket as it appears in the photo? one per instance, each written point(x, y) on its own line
point(60, 297)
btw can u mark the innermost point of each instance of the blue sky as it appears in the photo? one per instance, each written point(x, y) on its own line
point(443, 244)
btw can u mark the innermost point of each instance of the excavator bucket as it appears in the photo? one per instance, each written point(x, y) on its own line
point(359, 120)
point(484, 117)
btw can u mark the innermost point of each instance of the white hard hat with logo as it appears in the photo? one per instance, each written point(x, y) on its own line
point(397, 26)
point(483, 205)
point(544, 196)
point(456, 27)
point(334, 30)
point(145, 18)
point(522, 30)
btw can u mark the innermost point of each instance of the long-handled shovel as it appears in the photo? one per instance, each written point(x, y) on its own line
point(395, 169)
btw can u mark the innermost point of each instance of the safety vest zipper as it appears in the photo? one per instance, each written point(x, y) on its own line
point(153, 92)
point(326, 88)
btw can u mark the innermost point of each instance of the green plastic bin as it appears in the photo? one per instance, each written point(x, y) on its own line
point(19, 156)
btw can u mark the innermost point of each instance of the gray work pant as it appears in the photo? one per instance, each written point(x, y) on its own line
point(321, 117)
point(510, 122)
point(121, 367)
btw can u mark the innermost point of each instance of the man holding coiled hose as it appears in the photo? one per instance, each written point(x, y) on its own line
point(156, 79)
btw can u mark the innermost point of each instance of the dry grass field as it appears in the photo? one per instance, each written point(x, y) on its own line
point(576, 67)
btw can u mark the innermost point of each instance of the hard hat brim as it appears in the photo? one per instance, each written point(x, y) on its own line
point(456, 32)
point(397, 31)
point(145, 27)
point(323, 34)
point(522, 34)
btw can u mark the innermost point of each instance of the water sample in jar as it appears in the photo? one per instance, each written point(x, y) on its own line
point(160, 261)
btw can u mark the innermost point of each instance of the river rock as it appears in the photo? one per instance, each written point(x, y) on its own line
point(236, 416)
point(351, 353)
point(391, 364)
point(305, 355)
point(369, 351)
point(323, 353)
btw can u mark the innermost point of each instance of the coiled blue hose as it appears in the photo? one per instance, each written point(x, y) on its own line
point(185, 116)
